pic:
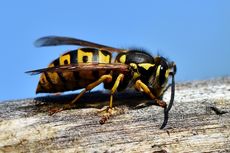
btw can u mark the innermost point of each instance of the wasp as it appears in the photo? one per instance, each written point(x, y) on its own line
point(91, 65)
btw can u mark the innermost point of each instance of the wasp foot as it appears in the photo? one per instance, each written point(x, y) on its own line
point(109, 112)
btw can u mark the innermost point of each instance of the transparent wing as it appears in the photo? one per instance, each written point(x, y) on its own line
point(83, 67)
point(57, 40)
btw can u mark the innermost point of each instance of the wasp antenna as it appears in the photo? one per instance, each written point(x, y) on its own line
point(166, 110)
point(172, 94)
point(166, 117)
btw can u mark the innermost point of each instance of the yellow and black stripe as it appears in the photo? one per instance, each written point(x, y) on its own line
point(52, 82)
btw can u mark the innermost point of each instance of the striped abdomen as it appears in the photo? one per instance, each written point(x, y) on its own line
point(66, 81)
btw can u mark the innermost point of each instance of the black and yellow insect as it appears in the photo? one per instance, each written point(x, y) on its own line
point(90, 66)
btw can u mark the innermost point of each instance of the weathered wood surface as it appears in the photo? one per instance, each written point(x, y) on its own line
point(198, 122)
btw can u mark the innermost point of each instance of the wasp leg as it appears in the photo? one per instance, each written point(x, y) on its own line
point(114, 88)
point(109, 110)
point(92, 85)
point(141, 86)
point(103, 78)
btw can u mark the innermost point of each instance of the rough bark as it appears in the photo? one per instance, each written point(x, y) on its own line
point(199, 121)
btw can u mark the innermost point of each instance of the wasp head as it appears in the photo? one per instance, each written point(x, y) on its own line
point(163, 70)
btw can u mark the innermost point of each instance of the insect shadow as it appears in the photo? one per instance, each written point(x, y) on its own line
point(96, 99)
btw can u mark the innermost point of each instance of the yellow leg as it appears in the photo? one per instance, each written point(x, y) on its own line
point(114, 88)
point(110, 111)
point(92, 85)
point(141, 86)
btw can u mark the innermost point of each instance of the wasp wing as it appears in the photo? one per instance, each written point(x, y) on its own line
point(57, 40)
point(83, 67)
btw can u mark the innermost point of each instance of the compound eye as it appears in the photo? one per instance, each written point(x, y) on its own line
point(162, 70)
point(162, 78)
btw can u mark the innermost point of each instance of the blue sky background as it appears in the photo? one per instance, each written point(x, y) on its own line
point(195, 34)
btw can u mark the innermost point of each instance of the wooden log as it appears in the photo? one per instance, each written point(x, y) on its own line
point(199, 121)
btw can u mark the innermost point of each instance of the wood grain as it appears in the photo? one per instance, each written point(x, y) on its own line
point(199, 121)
